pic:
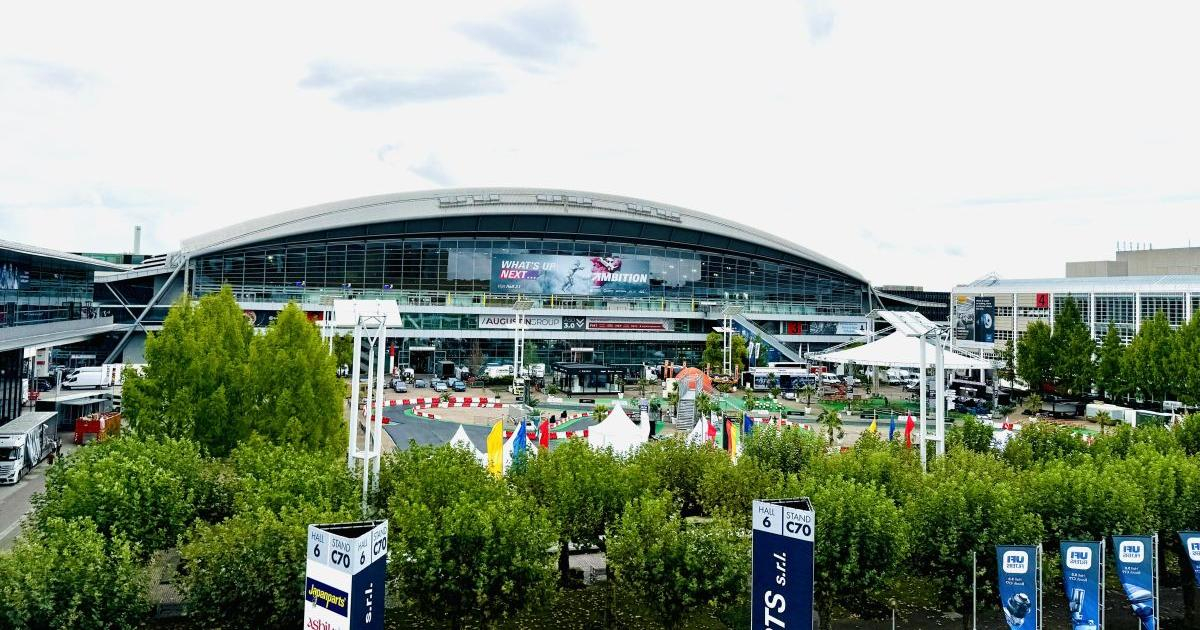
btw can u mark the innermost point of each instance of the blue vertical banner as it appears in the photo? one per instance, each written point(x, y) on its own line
point(1020, 581)
point(781, 595)
point(1083, 579)
point(1138, 571)
point(1191, 544)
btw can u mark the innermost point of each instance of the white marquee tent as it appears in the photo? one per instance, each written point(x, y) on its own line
point(460, 440)
point(618, 432)
point(899, 350)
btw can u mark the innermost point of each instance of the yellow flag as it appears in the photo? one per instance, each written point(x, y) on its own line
point(495, 450)
point(873, 428)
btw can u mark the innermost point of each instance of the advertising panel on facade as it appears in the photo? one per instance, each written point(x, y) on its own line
point(12, 277)
point(345, 574)
point(782, 572)
point(964, 318)
point(532, 322)
point(630, 324)
point(1083, 580)
point(985, 319)
point(1020, 580)
point(537, 274)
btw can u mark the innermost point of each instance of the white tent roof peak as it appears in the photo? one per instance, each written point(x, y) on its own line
point(617, 431)
point(900, 350)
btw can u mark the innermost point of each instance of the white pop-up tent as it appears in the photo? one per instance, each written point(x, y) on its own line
point(617, 431)
point(899, 350)
point(460, 440)
point(908, 346)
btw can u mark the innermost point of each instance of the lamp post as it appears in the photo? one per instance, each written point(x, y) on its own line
point(520, 307)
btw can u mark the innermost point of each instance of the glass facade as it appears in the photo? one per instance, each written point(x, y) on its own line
point(41, 293)
point(625, 355)
point(457, 270)
point(1085, 311)
point(1118, 310)
point(1169, 305)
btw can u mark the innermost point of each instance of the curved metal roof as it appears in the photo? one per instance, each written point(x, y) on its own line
point(475, 201)
point(32, 254)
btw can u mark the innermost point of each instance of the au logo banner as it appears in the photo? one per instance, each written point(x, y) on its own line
point(1138, 574)
point(1083, 577)
point(1020, 585)
point(1191, 544)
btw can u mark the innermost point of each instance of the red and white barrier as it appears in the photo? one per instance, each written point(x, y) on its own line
point(554, 435)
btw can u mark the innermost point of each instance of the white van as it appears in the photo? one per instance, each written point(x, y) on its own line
point(86, 377)
point(830, 379)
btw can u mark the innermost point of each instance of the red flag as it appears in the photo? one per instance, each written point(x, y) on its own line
point(544, 434)
point(908, 429)
point(711, 431)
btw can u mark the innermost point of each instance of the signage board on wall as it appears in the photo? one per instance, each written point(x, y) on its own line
point(985, 319)
point(537, 274)
point(12, 277)
point(964, 318)
point(532, 322)
point(595, 324)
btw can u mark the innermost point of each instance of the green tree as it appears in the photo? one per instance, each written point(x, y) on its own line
point(1108, 364)
point(787, 450)
point(248, 571)
point(740, 351)
point(831, 426)
point(1187, 360)
point(1039, 442)
point(1035, 356)
point(478, 556)
point(277, 477)
point(705, 405)
point(714, 352)
point(1080, 500)
point(67, 574)
point(1187, 433)
point(343, 349)
point(582, 490)
point(293, 383)
point(972, 435)
point(674, 567)
point(1007, 356)
point(194, 381)
point(1148, 368)
point(1074, 350)
point(730, 490)
point(147, 491)
point(969, 503)
point(855, 565)
point(675, 467)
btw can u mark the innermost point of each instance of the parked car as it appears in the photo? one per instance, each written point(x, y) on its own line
point(420, 383)
point(399, 386)
point(440, 387)
point(789, 395)
point(459, 386)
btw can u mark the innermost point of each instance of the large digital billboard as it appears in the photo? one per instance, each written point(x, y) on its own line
point(570, 275)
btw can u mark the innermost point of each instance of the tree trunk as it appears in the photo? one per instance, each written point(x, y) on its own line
point(564, 563)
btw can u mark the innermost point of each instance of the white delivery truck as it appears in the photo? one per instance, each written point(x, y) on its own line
point(107, 375)
point(25, 442)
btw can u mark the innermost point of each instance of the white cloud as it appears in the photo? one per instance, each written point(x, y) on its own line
point(919, 142)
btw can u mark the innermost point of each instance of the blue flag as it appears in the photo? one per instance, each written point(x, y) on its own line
point(520, 440)
point(1191, 542)
point(1020, 573)
point(747, 425)
point(891, 427)
point(1136, 570)
point(1082, 563)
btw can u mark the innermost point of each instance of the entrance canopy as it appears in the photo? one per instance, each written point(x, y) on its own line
point(900, 350)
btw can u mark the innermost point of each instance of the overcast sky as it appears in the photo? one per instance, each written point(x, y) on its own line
point(918, 142)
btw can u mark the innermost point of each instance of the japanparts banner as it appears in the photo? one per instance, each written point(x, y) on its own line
point(1083, 577)
point(1019, 570)
point(1136, 570)
point(1191, 542)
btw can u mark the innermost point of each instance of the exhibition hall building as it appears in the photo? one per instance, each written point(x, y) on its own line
point(602, 279)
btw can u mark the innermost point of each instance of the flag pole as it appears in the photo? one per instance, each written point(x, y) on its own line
point(974, 593)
